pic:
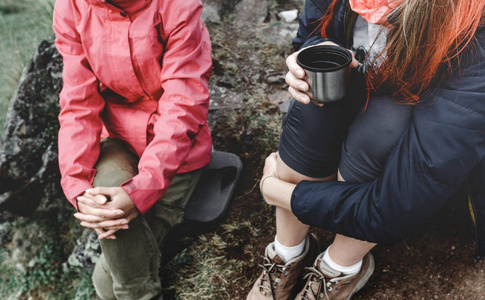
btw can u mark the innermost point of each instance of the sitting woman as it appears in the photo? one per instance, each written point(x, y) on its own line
point(420, 136)
point(138, 72)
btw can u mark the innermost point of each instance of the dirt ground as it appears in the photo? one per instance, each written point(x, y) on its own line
point(436, 262)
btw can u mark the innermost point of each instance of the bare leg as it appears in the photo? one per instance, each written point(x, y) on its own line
point(347, 251)
point(289, 229)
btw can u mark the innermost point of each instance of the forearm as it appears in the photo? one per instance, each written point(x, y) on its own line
point(277, 192)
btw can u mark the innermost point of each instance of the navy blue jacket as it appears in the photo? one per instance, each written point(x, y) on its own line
point(443, 149)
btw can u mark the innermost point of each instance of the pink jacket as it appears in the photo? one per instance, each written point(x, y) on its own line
point(142, 74)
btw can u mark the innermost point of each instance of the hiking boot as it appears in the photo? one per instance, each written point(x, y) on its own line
point(327, 284)
point(279, 280)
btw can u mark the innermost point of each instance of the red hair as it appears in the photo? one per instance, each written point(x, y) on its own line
point(423, 39)
point(327, 18)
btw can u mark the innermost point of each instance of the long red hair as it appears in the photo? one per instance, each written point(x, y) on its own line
point(422, 40)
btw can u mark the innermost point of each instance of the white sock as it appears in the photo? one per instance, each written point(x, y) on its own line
point(287, 253)
point(350, 270)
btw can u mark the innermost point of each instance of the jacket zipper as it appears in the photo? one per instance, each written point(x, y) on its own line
point(126, 15)
point(346, 14)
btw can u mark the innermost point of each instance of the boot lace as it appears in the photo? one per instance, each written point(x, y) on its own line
point(271, 268)
point(324, 285)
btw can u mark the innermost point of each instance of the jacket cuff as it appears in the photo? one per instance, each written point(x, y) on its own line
point(76, 192)
point(143, 198)
point(299, 203)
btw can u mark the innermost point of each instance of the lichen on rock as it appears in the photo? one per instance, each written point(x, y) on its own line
point(28, 160)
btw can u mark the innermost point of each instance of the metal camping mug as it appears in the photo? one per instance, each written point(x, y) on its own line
point(328, 71)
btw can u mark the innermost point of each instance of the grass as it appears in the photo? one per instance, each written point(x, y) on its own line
point(216, 263)
point(23, 25)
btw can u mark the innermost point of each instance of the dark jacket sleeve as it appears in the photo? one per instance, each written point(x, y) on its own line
point(445, 142)
point(309, 25)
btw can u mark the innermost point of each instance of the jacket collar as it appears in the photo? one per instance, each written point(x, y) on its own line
point(137, 4)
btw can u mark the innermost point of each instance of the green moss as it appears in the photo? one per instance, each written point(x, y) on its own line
point(32, 262)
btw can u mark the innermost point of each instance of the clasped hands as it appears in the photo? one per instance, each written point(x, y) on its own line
point(106, 210)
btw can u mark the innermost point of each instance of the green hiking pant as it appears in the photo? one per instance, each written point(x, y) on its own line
point(128, 265)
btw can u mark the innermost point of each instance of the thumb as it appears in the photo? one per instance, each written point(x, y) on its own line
point(355, 62)
point(102, 194)
point(293, 66)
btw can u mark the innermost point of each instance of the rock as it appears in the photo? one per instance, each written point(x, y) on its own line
point(288, 15)
point(85, 253)
point(6, 220)
point(211, 11)
point(278, 34)
point(279, 97)
point(222, 97)
point(217, 10)
point(284, 106)
point(275, 78)
point(251, 12)
point(28, 152)
point(227, 7)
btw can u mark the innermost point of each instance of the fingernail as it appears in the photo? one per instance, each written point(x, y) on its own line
point(302, 88)
point(299, 73)
point(125, 227)
point(119, 212)
point(124, 222)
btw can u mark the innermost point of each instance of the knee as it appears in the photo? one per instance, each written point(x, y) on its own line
point(116, 164)
point(286, 173)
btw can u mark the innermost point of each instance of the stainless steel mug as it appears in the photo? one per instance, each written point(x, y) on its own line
point(328, 71)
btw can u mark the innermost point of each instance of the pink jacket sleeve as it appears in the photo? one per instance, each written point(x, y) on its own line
point(183, 107)
point(81, 106)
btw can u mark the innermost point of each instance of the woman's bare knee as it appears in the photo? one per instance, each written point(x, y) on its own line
point(287, 174)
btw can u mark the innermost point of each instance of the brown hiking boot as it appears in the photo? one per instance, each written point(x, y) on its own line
point(327, 284)
point(279, 280)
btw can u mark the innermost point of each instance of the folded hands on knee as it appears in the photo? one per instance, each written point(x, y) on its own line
point(106, 210)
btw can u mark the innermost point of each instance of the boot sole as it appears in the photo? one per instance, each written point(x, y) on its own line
point(365, 278)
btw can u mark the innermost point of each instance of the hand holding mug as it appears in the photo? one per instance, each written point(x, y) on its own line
point(297, 79)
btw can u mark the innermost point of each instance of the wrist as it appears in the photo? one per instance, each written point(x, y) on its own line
point(263, 180)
